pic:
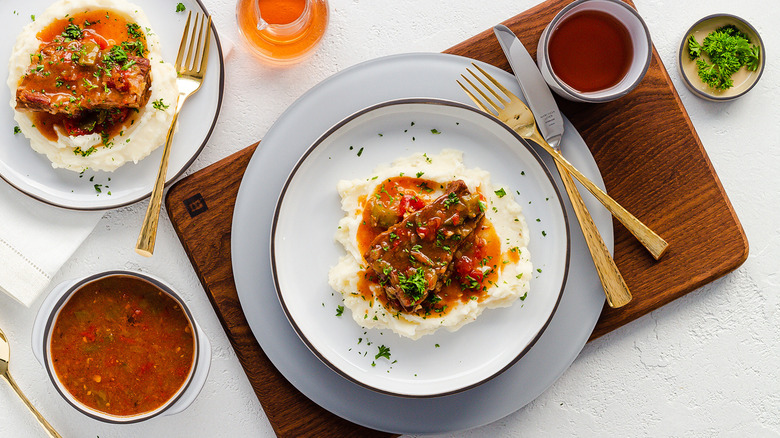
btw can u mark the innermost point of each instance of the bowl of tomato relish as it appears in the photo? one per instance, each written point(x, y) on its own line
point(121, 347)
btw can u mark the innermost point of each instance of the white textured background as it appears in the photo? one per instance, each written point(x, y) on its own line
point(704, 365)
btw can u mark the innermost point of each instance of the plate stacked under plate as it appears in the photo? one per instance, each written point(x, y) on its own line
point(379, 80)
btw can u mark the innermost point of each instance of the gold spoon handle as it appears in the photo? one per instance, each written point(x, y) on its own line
point(148, 235)
point(652, 241)
point(614, 285)
point(53, 433)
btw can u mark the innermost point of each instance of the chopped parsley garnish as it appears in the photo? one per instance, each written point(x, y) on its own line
point(180, 7)
point(134, 30)
point(425, 187)
point(159, 105)
point(419, 174)
point(72, 32)
point(415, 286)
point(360, 152)
point(17, 130)
point(88, 85)
point(500, 192)
point(136, 47)
point(383, 352)
point(435, 131)
point(452, 198)
point(339, 309)
point(86, 153)
point(116, 55)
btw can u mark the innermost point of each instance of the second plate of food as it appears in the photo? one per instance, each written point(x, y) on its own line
point(384, 264)
point(74, 161)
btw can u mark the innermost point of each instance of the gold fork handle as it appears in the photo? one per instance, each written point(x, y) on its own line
point(148, 235)
point(615, 286)
point(49, 428)
point(652, 241)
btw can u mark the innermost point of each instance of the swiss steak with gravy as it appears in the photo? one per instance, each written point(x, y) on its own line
point(413, 257)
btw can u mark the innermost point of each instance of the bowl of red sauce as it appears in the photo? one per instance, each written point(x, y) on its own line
point(594, 51)
point(121, 347)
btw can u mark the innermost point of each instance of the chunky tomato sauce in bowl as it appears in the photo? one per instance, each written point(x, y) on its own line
point(121, 347)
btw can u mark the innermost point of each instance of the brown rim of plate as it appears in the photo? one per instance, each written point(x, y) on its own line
point(328, 133)
point(681, 52)
point(108, 418)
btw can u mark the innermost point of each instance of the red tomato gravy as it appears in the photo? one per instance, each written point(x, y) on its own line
point(476, 268)
point(122, 346)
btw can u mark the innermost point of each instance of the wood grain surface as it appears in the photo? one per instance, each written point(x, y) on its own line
point(652, 162)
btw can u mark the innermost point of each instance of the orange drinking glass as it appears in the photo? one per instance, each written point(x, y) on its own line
point(282, 31)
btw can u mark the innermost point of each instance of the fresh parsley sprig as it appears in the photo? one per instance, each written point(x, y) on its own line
point(728, 49)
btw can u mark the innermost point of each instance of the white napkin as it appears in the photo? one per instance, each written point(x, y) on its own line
point(35, 241)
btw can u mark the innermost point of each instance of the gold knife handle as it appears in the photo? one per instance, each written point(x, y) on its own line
point(652, 241)
point(614, 285)
point(49, 428)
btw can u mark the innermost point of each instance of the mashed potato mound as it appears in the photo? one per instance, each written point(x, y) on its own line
point(502, 211)
point(149, 130)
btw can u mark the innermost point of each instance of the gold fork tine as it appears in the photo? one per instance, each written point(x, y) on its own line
point(495, 108)
point(495, 82)
point(204, 60)
point(500, 98)
point(195, 33)
point(473, 97)
point(183, 44)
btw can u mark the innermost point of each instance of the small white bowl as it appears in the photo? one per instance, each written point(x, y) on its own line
point(744, 80)
point(640, 39)
point(44, 325)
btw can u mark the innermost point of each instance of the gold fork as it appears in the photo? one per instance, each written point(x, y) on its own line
point(515, 114)
point(191, 64)
point(522, 121)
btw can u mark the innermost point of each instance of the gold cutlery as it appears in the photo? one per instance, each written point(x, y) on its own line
point(515, 114)
point(520, 118)
point(5, 359)
point(191, 64)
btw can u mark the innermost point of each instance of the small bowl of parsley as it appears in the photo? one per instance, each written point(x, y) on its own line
point(721, 57)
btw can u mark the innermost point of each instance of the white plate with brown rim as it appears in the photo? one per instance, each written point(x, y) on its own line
point(31, 172)
point(437, 364)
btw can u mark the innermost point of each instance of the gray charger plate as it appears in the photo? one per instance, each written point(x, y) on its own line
point(388, 78)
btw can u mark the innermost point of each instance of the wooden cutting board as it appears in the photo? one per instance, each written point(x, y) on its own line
point(652, 162)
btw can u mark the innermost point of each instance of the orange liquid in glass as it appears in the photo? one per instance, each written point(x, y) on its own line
point(282, 31)
point(281, 11)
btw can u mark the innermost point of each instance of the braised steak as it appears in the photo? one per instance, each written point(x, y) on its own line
point(413, 257)
point(73, 76)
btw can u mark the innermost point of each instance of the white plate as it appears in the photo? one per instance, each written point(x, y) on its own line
point(31, 172)
point(378, 80)
point(308, 213)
